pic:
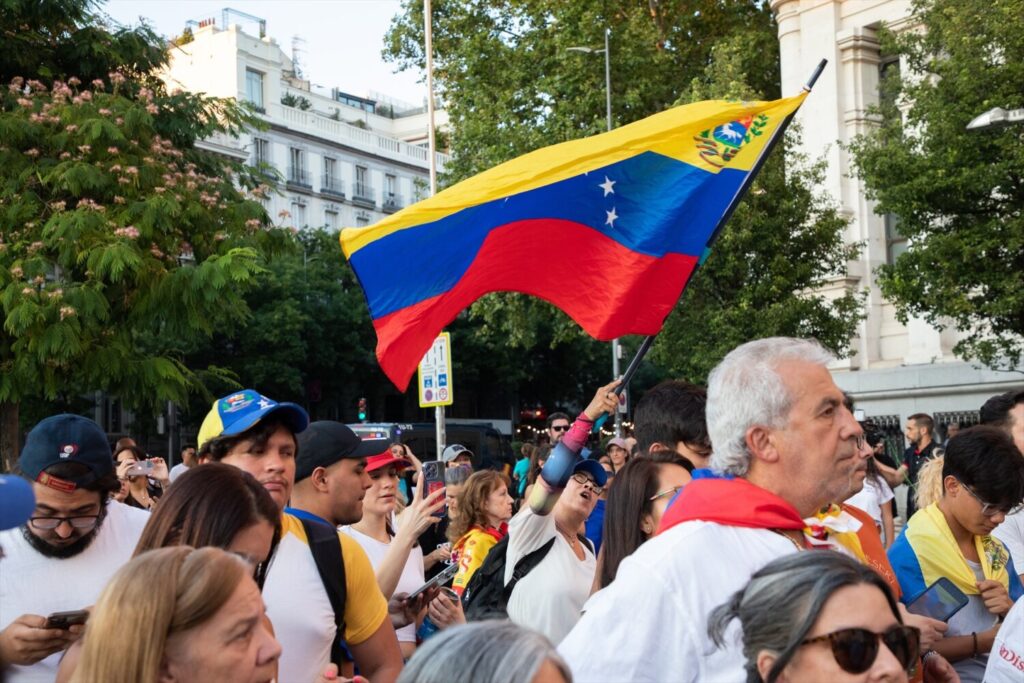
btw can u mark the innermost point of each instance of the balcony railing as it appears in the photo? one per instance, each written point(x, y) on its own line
point(393, 202)
point(331, 184)
point(298, 176)
point(363, 195)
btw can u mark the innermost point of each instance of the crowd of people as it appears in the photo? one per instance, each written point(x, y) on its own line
point(746, 531)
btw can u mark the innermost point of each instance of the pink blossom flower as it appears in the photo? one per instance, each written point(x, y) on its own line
point(116, 77)
point(71, 128)
point(66, 312)
point(115, 168)
point(112, 150)
point(34, 247)
point(85, 149)
point(32, 152)
point(74, 81)
point(252, 223)
point(17, 272)
point(36, 85)
point(131, 170)
point(86, 95)
point(152, 108)
point(284, 213)
point(58, 206)
point(155, 251)
point(123, 181)
point(65, 155)
point(105, 112)
point(97, 83)
point(25, 102)
point(159, 190)
point(131, 232)
point(118, 199)
point(27, 291)
point(38, 279)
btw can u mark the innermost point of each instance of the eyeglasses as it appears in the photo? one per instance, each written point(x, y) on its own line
point(559, 428)
point(855, 649)
point(584, 480)
point(667, 492)
point(990, 509)
point(51, 523)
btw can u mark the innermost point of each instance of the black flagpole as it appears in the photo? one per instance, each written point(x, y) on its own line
point(648, 341)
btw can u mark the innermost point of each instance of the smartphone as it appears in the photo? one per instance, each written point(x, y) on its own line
point(143, 467)
point(446, 575)
point(65, 620)
point(433, 480)
point(941, 600)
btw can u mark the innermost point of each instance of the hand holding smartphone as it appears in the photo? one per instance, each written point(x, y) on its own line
point(433, 480)
point(65, 620)
point(941, 601)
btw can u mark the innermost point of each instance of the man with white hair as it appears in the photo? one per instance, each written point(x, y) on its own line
point(786, 446)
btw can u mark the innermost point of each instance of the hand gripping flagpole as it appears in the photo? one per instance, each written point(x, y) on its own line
point(560, 463)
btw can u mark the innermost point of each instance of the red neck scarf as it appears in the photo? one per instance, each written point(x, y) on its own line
point(731, 502)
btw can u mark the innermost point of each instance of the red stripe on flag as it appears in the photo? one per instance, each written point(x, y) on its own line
point(608, 289)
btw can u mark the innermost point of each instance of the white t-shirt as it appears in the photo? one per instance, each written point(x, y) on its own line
point(33, 584)
point(412, 574)
point(973, 618)
point(178, 470)
point(651, 624)
point(1006, 661)
point(1011, 533)
point(871, 498)
point(550, 597)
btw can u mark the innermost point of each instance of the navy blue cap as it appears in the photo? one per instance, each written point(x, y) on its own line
point(594, 469)
point(66, 438)
point(325, 442)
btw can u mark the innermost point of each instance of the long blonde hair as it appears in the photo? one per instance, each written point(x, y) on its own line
point(929, 482)
point(472, 500)
point(156, 595)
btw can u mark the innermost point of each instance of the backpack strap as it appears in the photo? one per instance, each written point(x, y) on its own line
point(526, 565)
point(325, 546)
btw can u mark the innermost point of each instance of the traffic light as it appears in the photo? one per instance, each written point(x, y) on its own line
point(362, 410)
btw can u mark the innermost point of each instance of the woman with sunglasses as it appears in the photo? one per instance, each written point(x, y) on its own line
point(818, 616)
point(637, 500)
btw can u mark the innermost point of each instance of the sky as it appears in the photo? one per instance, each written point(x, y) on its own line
point(343, 38)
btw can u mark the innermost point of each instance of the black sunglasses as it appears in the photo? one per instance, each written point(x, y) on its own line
point(559, 428)
point(855, 649)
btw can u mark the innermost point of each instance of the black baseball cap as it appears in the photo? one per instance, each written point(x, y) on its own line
point(66, 438)
point(325, 442)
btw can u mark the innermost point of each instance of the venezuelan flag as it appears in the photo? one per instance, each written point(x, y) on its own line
point(608, 228)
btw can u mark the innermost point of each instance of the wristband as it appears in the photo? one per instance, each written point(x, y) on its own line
point(974, 635)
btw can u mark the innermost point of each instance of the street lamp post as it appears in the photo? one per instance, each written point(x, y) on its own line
point(616, 347)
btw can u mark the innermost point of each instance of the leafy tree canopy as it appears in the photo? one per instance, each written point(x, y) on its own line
point(117, 235)
point(958, 195)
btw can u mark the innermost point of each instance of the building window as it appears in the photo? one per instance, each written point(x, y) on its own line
point(298, 215)
point(895, 242)
point(260, 152)
point(362, 218)
point(331, 182)
point(297, 167)
point(254, 88)
point(331, 219)
point(362, 189)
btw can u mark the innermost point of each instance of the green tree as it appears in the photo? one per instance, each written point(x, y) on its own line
point(117, 236)
point(511, 85)
point(958, 195)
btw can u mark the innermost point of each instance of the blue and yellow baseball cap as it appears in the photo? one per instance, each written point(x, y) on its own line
point(237, 412)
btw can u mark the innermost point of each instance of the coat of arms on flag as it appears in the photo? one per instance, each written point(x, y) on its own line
point(719, 145)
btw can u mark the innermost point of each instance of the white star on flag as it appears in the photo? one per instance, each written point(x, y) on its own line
point(264, 403)
point(607, 186)
point(612, 217)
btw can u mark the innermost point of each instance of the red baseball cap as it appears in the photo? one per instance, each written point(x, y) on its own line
point(375, 462)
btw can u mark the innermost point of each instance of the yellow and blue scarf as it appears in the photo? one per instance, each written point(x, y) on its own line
point(927, 551)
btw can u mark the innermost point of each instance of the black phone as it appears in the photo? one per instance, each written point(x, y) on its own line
point(65, 620)
point(433, 480)
point(446, 575)
point(941, 601)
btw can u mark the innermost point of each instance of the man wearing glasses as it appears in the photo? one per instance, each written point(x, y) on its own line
point(75, 540)
point(983, 482)
point(558, 425)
